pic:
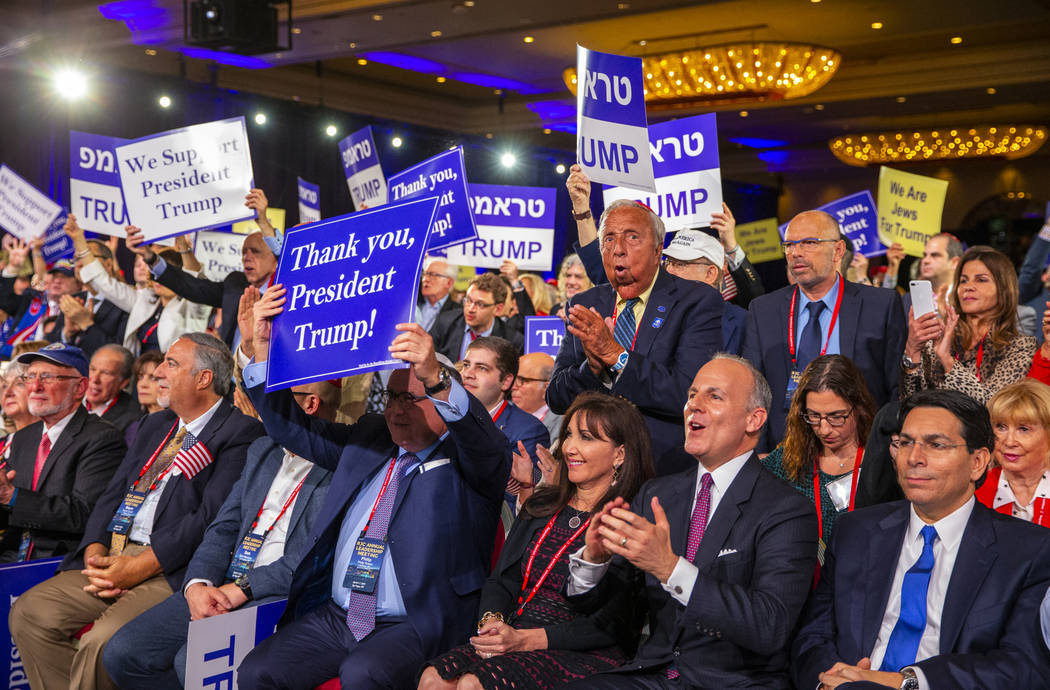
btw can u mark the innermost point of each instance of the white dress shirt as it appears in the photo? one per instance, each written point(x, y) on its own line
point(55, 430)
point(586, 575)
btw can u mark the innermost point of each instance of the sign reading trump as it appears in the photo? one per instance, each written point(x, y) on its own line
point(350, 281)
point(515, 223)
point(364, 174)
point(187, 179)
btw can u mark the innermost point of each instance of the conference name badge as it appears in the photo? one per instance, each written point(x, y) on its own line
point(125, 515)
point(363, 572)
point(792, 386)
point(245, 557)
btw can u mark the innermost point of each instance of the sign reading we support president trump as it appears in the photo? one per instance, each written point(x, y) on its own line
point(350, 281)
point(25, 211)
point(515, 223)
point(443, 175)
point(364, 174)
point(688, 180)
point(94, 183)
point(611, 137)
point(910, 208)
point(216, 646)
point(187, 179)
point(309, 201)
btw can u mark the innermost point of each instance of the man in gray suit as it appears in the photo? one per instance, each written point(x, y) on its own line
point(265, 523)
point(530, 390)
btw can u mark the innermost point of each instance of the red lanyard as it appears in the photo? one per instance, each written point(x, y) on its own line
point(616, 311)
point(149, 463)
point(108, 407)
point(389, 472)
point(980, 357)
point(524, 600)
point(502, 407)
point(149, 332)
point(287, 503)
point(852, 488)
point(831, 326)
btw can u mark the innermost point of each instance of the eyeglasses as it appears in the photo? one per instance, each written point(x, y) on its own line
point(404, 398)
point(834, 419)
point(468, 303)
point(526, 379)
point(435, 276)
point(45, 379)
point(905, 446)
point(678, 263)
point(806, 244)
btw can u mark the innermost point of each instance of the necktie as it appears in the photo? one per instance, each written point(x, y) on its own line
point(812, 336)
point(361, 610)
point(904, 640)
point(41, 457)
point(164, 460)
point(623, 331)
point(698, 523)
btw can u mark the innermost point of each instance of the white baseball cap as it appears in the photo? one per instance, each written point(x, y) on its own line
point(689, 245)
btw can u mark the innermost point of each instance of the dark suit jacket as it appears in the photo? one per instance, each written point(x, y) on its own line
point(679, 331)
point(124, 411)
point(734, 322)
point(872, 331)
point(442, 524)
point(518, 425)
point(449, 326)
point(187, 506)
point(756, 565)
point(226, 295)
point(238, 511)
point(109, 326)
point(989, 634)
point(80, 464)
point(748, 284)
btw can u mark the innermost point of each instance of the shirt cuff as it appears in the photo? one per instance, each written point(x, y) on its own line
point(254, 373)
point(457, 405)
point(921, 677)
point(243, 360)
point(194, 581)
point(159, 267)
point(736, 257)
point(680, 584)
point(584, 575)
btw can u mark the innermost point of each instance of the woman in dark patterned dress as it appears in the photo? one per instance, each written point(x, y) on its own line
point(529, 636)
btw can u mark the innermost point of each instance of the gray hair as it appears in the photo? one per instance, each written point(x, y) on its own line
point(654, 220)
point(127, 359)
point(450, 271)
point(213, 355)
point(760, 395)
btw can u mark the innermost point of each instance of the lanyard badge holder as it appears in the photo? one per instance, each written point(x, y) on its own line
point(120, 525)
point(362, 575)
point(248, 551)
point(796, 375)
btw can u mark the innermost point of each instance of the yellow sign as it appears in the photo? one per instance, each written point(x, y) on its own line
point(274, 215)
point(464, 276)
point(760, 240)
point(910, 208)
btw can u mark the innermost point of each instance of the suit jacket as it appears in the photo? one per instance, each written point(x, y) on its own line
point(748, 284)
point(225, 295)
point(756, 563)
point(124, 411)
point(679, 331)
point(110, 321)
point(449, 326)
point(80, 464)
point(872, 331)
point(989, 635)
point(226, 532)
point(734, 322)
point(443, 521)
point(518, 425)
point(186, 506)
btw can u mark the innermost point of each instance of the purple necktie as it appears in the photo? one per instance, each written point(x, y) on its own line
point(698, 523)
point(361, 610)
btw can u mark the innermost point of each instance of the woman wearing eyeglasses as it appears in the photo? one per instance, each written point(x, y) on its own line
point(827, 425)
point(529, 636)
point(15, 403)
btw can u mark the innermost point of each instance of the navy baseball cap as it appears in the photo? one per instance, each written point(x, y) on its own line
point(59, 353)
point(63, 266)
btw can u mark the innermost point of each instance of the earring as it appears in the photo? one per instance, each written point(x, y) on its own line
point(616, 473)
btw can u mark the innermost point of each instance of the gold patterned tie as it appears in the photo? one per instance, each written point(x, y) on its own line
point(117, 542)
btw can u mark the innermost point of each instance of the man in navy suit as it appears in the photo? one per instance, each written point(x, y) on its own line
point(147, 523)
point(641, 336)
point(264, 525)
point(861, 322)
point(936, 591)
point(722, 554)
point(404, 540)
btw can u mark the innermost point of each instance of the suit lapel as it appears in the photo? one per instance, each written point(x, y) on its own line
point(884, 550)
point(679, 509)
point(65, 440)
point(207, 434)
point(445, 449)
point(661, 301)
point(725, 516)
point(849, 315)
point(313, 479)
point(976, 555)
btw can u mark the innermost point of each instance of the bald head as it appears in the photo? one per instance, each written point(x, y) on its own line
point(530, 387)
point(813, 262)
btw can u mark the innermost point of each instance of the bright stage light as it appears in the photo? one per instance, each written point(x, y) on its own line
point(70, 84)
point(164, 102)
point(396, 142)
point(331, 130)
point(560, 168)
point(260, 118)
point(507, 160)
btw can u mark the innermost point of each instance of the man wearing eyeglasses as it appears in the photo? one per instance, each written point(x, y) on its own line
point(822, 314)
point(485, 301)
point(530, 390)
point(438, 278)
point(936, 591)
point(58, 466)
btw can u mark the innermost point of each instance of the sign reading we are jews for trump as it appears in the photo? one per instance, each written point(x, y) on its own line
point(910, 208)
point(187, 179)
point(25, 211)
point(364, 174)
point(611, 138)
point(688, 179)
point(350, 281)
point(515, 223)
point(94, 183)
point(443, 175)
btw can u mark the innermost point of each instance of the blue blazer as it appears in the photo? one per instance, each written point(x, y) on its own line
point(679, 332)
point(186, 507)
point(872, 331)
point(734, 322)
point(518, 425)
point(444, 518)
point(989, 630)
point(237, 513)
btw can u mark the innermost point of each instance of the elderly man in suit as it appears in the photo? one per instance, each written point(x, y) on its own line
point(265, 525)
point(438, 278)
point(109, 374)
point(530, 390)
point(147, 523)
point(822, 314)
point(722, 554)
point(936, 591)
point(403, 543)
point(58, 466)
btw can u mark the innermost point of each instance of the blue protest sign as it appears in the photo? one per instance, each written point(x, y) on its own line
point(611, 137)
point(364, 174)
point(544, 334)
point(309, 201)
point(688, 179)
point(515, 223)
point(15, 580)
point(857, 216)
point(350, 281)
point(443, 175)
point(94, 183)
point(57, 244)
point(216, 646)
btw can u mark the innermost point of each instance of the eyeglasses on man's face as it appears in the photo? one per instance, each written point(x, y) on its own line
point(402, 398)
point(468, 303)
point(44, 378)
point(806, 244)
point(936, 447)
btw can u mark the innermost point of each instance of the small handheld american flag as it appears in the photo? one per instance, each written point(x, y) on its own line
point(193, 457)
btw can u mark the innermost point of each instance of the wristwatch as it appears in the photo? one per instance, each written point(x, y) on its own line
point(583, 215)
point(444, 383)
point(907, 362)
point(911, 681)
point(620, 362)
point(242, 584)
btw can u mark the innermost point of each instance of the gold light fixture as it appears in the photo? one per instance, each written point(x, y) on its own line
point(950, 143)
point(733, 72)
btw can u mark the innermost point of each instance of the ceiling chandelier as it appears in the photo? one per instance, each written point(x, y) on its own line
point(949, 143)
point(756, 71)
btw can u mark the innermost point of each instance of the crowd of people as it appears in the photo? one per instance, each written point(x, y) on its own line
point(710, 486)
